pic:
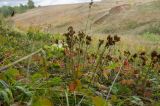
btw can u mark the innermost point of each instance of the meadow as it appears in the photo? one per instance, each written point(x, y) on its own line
point(74, 68)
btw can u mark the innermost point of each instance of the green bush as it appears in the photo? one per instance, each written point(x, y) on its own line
point(30, 4)
point(151, 37)
point(154, 29)
point(8, 10)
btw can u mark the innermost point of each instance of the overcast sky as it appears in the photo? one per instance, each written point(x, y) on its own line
point(41, 2)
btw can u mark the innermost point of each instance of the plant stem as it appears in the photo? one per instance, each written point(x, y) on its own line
point(114, 82)
point(67, 98)
point(81, 101)
point(24, 58)
point(29, 62)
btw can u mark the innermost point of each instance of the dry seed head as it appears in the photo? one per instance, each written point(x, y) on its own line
point(79, 50)
point(143, 53)
point(100, 43)
point(70, 37)
point(127, 53)
point(93, 55)
point(154, 54)
point(91, 3)
point(56, 41)
point(110, 41)
point(81, 35)
point(71, 32)
point(158, 56)
point(108, 57)
point(70, 28)
point(116, 38)
point(88, 40)
point(109, 38)
point(135, 55)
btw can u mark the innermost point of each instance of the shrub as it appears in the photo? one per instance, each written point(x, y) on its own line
point(8, 10)
point(153, 29)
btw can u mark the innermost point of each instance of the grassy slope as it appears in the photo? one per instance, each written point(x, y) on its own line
point(133, 21)
point(57, 18)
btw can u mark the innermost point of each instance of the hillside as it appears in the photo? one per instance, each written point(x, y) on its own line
point(130, 19)
point(104, 15)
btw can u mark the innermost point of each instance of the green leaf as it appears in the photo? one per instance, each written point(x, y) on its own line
point(42, 101)
point(56, 81)
point(56, 66)
point(115, 89)
point(120, 89)
point(36, 76)
point(157, 104)
point(114, 98)
point(136, 98)
point(4, 96)
point(10, 95)
point(112, 65)
point(24, 90)
point(3, 84)
point(12, 73)
point(99, 101)
point(137, 101)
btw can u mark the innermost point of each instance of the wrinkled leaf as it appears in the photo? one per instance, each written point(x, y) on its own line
point(99, 101)
point(42, 101)
point(56, 81)
point(36, 76)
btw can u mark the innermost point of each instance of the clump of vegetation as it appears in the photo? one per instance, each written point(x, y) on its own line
point(153, 29)
point(151, 37)
point(10, 11)
point(67, 71)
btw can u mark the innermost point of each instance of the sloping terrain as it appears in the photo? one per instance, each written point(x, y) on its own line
point(132, 19)
point(106, 16)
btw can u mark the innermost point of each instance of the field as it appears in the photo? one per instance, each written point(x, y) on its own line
point(52, 57)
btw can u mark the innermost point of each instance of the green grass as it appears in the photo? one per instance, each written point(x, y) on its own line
point(151, 37)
